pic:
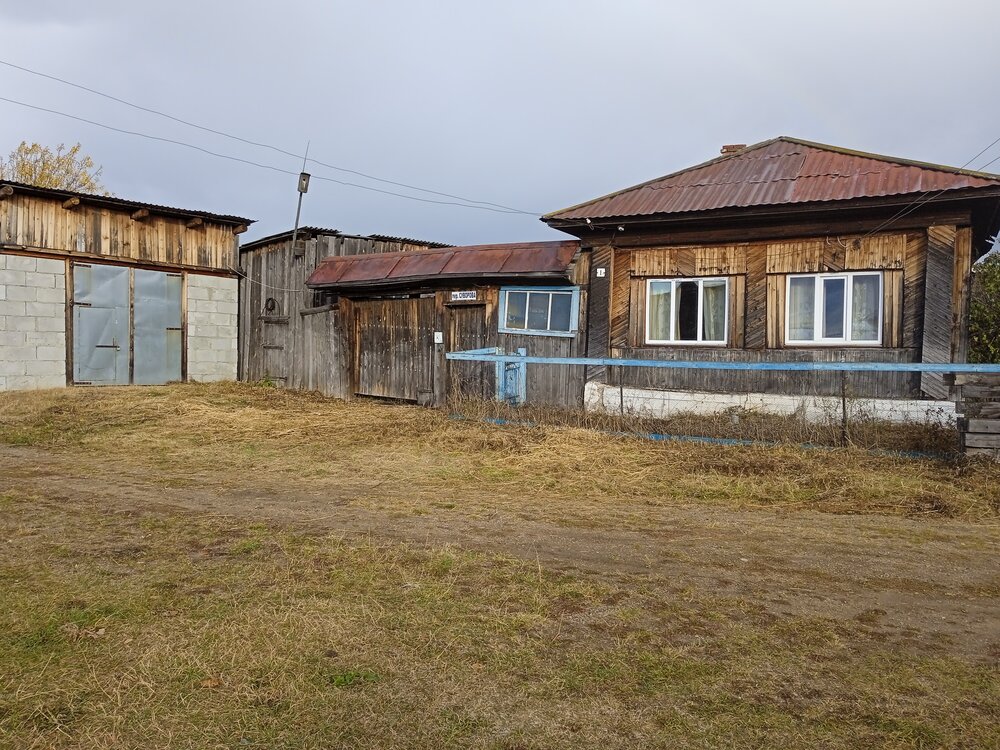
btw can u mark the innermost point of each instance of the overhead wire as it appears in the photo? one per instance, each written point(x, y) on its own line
point(250, 162)
point(259, 144)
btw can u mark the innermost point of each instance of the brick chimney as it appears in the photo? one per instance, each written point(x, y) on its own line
point(732, 148)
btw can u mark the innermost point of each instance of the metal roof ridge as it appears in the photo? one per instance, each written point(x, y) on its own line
point(747, 152)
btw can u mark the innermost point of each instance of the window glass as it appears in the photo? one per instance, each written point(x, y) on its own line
point(713, 310)
point(517, 303)
point(833, 308)
point(687, 311)
point(865, 308)
point(659, 310)
point(538, 311)
point(562, 305)
point(801, 309)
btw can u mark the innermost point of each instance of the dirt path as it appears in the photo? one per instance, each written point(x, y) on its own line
point(931, 583)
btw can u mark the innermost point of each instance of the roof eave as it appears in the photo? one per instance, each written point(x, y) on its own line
point(442, 280)
point(776, 209)
point(124, 203)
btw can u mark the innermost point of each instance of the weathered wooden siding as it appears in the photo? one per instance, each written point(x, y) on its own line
point(41, 224)
point(757, 272)
point(393, 348)
point(303, 342)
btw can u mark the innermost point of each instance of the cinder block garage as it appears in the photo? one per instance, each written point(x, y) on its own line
point(97, 290)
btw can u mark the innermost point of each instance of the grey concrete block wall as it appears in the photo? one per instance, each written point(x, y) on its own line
point(32, 322)
point(212, 315)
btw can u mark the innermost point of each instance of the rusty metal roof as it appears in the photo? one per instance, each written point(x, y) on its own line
point(780, 171)
point(110, 200)
point(548, 260)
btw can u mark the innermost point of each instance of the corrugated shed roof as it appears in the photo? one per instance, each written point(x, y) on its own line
point(521, 259)
point(306, 232)
point(109, 200)
point(777, 172)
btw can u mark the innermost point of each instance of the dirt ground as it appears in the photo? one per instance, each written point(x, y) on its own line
point(935, 586)
point(228, 566)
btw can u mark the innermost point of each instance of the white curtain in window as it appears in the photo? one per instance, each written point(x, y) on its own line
point(801, 309)
point(865, 308)
point(713, 310)
point(659, 310)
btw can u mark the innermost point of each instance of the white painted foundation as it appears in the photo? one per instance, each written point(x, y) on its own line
point(648, 402)
point(212, 314)
point(32, 323)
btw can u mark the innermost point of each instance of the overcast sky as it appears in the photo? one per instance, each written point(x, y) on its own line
point(535, 105)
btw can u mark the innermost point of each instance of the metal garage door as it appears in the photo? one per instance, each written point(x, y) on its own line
point(107, 344)
point(157, 353)
point(101, 327)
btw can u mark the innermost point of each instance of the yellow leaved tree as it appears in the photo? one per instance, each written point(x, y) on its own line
point(61, 169)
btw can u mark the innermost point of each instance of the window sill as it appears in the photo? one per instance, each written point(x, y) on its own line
point(524, 332)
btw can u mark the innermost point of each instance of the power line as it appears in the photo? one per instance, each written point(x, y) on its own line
point(919, 200)
point(254, 163)
point(258, 144)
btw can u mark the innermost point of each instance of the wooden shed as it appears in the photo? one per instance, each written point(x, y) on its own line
point(786, 250)
point(97, 290)
point(373, 316)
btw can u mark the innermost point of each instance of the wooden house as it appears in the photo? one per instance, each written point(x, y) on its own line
point(96, 290)
point(785, 250)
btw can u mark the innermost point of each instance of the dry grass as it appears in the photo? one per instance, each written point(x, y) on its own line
point(937, 436)
point(412, 456)
point(168, 630)
point(131, 624)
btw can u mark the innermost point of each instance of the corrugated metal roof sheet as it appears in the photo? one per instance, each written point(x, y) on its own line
point(110, 200)
point(780, 171)
point(309, 232)
point(531, 259)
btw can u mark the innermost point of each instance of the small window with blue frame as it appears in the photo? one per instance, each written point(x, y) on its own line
point(540, 311)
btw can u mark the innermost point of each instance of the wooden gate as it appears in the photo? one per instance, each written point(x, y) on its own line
point(394, 347)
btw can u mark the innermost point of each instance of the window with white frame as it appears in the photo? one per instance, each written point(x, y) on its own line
point(541, 311)
point(687, 311)
point(834, 308)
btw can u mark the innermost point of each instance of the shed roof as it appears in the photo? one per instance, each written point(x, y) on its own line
point(310, 231)
point(544, 260)
point(110, 200)
point(780, 171)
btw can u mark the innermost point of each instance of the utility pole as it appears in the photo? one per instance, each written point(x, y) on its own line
point(303, 189)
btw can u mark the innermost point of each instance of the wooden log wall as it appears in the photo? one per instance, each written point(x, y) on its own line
point(54, 226)
point(758, 271)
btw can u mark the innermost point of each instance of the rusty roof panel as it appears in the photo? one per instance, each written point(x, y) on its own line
point(554, 257)
point(780, 171)
point(362, 267)
point(534, 259)
point(420, 264)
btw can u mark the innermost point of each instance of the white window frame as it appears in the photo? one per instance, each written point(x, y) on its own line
point(818, 301)
point(700, 281)
point(574, 310)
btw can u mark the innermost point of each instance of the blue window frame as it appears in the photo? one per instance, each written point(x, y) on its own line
point(539, 310)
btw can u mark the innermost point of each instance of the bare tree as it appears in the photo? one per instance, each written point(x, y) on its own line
point(62, 169)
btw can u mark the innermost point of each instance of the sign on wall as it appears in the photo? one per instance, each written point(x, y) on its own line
point(468, 295)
